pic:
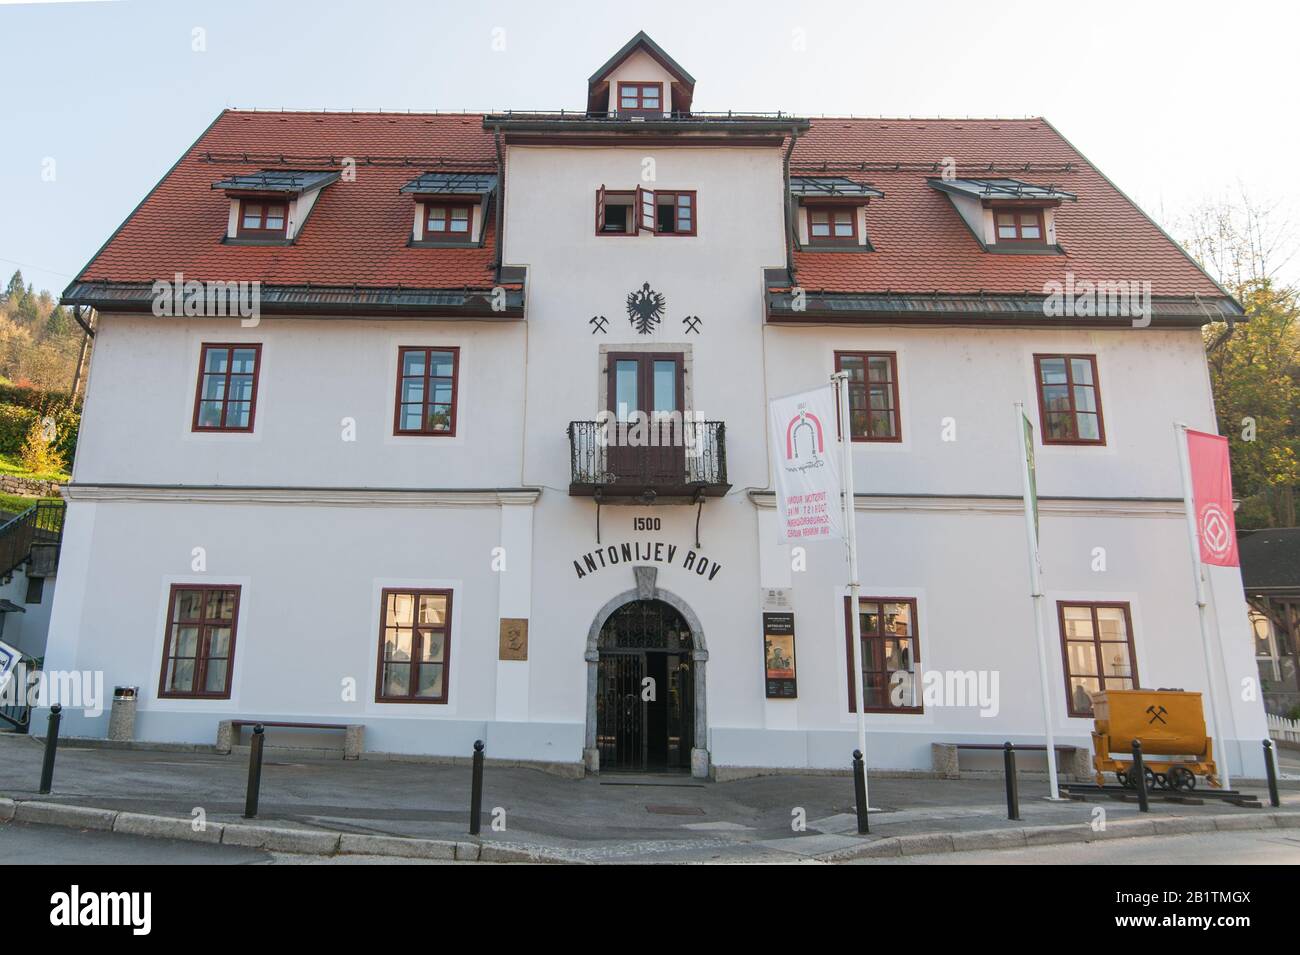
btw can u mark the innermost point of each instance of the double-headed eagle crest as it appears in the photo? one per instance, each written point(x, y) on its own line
point(645, 309)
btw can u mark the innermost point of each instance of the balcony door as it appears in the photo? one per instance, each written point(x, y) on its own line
point(647, 398)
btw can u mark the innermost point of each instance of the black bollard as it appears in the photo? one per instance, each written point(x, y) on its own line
point(476, 789)
point(1013, 787)
point(1271, 770)
point(51, 748)
point(1140, 777)
point(860, 792)
point(254, 771)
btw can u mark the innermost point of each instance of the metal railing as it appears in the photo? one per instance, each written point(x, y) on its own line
point(42, 523)
point(681, 455)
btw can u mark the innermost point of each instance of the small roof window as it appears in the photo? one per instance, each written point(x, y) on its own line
point(284, 181)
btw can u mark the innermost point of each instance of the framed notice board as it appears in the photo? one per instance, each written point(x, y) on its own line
point(778, 656)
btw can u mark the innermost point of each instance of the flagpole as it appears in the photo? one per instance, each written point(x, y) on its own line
point(1198, 572)
point(841, 379)
point(1036, 592)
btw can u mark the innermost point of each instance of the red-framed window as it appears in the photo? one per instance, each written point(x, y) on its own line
point(226, 395)
point(426, 390)
point(1097, 651)
point(1069, 399)
point(1019, 225)
point(199, 646)
point(263, 218)
point(414, 646)
point(674, 212)
point(640, 97)
point(890, 646)
point(658, 211)
point(873, 394)
point(451, 222)
point(832, 224)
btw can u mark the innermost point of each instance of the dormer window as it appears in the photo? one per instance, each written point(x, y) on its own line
point(261, 219)
point(1019, 225)
point(271, 207)
point(640, 99)
point(442, 220)
point(451, 208)
point(1007, 215)
point(832, 224)
point(830, 212)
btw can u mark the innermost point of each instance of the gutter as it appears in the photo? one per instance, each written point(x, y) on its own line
point(789, 199)
point(501, 204)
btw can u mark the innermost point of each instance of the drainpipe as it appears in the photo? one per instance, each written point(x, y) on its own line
point(501, 201)
point(1226, 333)
point(789, 212)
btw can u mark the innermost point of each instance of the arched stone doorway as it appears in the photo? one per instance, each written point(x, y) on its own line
point(646, 632)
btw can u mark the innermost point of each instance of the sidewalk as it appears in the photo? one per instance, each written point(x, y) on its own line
point(611, 818)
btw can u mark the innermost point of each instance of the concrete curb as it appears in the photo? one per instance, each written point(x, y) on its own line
point(326, 843)
point(930, 843)
point(272, 838)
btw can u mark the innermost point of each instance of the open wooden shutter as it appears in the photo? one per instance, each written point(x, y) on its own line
point(645, 209)
point(600, 209)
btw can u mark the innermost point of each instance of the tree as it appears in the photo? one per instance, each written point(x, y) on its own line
point(16, 285)
point(1255, 364)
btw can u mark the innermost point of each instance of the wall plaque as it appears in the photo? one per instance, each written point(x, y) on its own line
point(778, 656)
point(514, 638)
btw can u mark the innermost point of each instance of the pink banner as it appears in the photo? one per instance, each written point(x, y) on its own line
point(1212, 498)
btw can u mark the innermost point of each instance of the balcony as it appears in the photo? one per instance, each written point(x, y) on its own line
point(678, 463)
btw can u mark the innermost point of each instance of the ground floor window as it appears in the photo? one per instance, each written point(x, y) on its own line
point(890, 646)
point(199, 649)
point(414, 646)
point(1097, 647)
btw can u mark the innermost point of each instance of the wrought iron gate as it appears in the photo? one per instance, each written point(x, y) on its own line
point(645, 700)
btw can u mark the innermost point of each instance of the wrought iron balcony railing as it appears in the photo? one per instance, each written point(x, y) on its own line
point(675, 462)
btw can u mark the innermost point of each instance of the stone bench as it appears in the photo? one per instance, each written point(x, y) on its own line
point(228, 732)
point(1077, 761)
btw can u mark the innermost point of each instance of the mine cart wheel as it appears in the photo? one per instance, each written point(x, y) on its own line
point(1163, 781)
point(1123, 778)
point(1180, 777)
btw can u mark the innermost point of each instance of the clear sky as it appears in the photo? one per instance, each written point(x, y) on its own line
point(1178, 103)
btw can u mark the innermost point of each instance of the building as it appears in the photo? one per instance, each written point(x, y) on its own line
point(1270, 571)
point(385, 499)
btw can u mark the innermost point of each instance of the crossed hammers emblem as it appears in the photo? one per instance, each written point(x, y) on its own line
point(1157, 713)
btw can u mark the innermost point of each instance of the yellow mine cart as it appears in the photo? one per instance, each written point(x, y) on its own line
point(1168, 723)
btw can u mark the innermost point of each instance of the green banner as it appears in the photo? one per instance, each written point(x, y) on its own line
point(1029, 467)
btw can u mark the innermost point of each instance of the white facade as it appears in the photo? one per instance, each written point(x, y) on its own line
point(313, 526)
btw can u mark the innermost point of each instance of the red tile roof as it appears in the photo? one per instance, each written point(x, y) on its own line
point(923, 245)
point(356, 233)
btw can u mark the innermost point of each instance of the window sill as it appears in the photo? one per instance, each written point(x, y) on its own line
point(1023, 248)
point(250, 240)
point(439, 244)
point(836, 247)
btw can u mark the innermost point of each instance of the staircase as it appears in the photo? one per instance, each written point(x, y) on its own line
point(32, 540)
point(32, 537)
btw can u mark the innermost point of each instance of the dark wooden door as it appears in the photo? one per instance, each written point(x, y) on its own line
point(647, 387)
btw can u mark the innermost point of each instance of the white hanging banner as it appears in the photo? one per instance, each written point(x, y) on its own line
point(807, 453)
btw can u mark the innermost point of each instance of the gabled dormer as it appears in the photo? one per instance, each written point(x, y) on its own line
point(450, 207)
point(830, 213)
point(1007, 215)
point(640, 81)
point(270, 207)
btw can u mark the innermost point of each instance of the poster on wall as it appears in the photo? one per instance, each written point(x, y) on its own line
point(806, 452)
point(778, 656)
